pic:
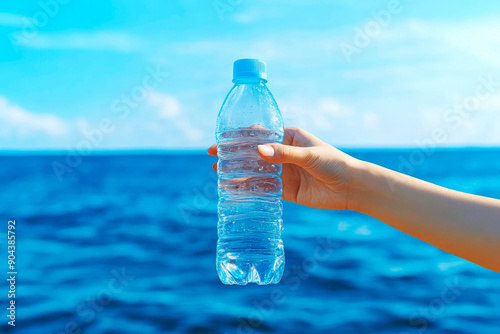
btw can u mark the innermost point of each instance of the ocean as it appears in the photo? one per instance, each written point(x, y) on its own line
point(125, 243)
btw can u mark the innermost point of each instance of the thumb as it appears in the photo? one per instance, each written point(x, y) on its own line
point(280, 153)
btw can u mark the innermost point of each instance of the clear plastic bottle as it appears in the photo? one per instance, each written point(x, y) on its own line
point(249, 248)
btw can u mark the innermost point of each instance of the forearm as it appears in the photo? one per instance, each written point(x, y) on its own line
point(462, 224)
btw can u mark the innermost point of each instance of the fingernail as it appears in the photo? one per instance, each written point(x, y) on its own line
point(266, 150)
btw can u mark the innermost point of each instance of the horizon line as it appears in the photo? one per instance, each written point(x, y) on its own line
point(187, 151)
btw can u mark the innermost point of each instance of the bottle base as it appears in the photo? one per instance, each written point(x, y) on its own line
point(242, 272)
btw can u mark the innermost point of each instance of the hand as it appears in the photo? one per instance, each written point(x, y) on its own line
point(317, 175)
point(314, 174)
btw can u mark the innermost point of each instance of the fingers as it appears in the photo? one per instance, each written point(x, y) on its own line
point(298, 137)
point(296, 149)
point(301, 156)
point(293, 136)
point(212, 150)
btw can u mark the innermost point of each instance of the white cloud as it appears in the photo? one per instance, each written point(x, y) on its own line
point(253, 14)
point(323, 114)
point(18, 121)
point(427, 53)
point(168, 108)
point(167, 105)
point(331, 107)
point(96, 40)
point(327, 111)
point(13, 20)
point(290, 47)
point(248, 16)
point(491, 103)
point(481, 38)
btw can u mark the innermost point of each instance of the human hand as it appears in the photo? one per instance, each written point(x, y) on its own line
point(314, 173)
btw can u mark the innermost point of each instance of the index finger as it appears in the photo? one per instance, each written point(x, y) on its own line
point(213, 150)
point(295, 136)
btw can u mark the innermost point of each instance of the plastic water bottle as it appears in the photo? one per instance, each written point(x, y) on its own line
point(249, 248)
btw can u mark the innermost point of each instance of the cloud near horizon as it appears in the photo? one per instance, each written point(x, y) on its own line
point(169, 109)
point(18, 122)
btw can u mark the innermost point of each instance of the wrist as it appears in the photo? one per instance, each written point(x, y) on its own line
point(366, 186)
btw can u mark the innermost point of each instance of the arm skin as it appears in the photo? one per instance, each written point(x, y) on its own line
point(462, 224)
point(318, 175)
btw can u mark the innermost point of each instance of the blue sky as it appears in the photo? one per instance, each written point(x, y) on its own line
point(132, 75)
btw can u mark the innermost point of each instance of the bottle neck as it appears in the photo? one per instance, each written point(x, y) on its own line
point(249, 81)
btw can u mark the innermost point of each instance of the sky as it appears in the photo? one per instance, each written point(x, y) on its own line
point(100, 75)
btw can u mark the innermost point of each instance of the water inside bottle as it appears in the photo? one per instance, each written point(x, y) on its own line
point(249, 249)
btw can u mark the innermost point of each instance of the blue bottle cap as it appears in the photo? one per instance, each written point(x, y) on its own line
point(250, 68)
